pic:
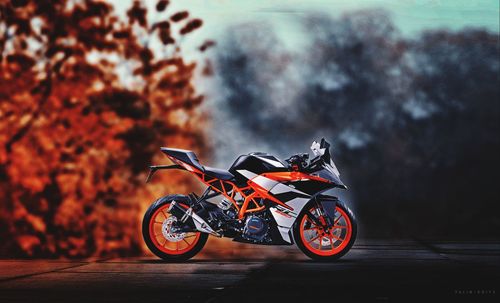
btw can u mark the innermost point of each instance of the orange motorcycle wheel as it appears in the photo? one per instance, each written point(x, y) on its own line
point(321, 243)
point(157, 234)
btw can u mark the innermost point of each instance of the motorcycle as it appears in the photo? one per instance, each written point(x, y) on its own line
point(259, 200)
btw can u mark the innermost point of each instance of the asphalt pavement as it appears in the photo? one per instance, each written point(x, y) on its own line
point(373, 271)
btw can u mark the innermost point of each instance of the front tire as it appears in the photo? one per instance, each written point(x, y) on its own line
point(164, 244)
point(325, 245)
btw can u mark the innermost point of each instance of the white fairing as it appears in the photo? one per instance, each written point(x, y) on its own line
point(265, 182)
point(272, 162)
point(260, 180)
point(247, 174)
point(285, 218)
point(282, 188)
point(317, 150)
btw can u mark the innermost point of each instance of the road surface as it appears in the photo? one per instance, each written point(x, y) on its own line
point(373, 271)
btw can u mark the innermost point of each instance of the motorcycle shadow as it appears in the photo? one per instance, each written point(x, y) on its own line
point(243, 260)
point(341, 261)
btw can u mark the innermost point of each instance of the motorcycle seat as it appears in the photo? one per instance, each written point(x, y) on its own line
point(221, 174)
point(190, 158)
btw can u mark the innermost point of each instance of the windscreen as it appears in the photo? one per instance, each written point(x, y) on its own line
point(328, 169)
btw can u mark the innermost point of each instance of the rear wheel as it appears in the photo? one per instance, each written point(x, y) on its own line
point(321, 243)
point(158, 235)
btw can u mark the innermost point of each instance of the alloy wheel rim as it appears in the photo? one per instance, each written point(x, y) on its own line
point(326, 242)
point(167, 241)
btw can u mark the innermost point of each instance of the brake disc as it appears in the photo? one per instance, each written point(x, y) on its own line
point(166, 230)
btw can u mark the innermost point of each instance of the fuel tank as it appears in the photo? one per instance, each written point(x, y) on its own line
point(257, 163)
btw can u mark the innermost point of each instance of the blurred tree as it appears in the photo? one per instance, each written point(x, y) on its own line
point(84, 104)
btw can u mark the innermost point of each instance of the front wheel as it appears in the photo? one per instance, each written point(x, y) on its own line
point(168, 245)
point(323, 244)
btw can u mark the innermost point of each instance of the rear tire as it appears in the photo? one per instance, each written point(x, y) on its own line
point(331, 244)
point(153, 227)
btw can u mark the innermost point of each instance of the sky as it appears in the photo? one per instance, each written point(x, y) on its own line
point(286, 19)
point(410, 16)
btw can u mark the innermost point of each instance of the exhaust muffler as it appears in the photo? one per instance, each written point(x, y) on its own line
point(186, 215)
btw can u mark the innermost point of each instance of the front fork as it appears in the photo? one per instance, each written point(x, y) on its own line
point(326, 209)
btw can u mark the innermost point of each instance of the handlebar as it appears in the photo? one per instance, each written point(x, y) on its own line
point(298, 161)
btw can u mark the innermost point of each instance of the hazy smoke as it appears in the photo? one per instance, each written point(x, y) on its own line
point(414, 121)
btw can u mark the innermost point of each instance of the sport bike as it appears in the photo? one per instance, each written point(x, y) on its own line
point(259, 200)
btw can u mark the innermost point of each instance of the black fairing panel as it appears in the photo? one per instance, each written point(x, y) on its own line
point(311, 187)
point(325, 174)
point(185, 156)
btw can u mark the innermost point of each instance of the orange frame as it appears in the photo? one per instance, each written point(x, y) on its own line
point(231, 193)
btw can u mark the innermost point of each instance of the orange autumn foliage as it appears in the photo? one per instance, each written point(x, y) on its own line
point(84, 107)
